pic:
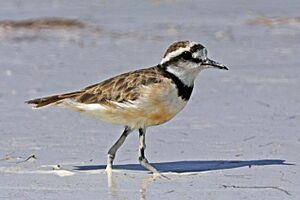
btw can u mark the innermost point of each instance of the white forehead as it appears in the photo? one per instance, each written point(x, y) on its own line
point(177, 52)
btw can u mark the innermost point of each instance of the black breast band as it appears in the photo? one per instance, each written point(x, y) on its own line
point(184, 91)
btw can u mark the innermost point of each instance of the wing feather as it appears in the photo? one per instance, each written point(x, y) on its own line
point(123, 88)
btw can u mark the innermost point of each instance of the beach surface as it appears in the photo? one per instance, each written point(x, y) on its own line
point(238, 137)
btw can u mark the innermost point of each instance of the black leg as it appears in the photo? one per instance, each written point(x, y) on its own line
point(142, 146)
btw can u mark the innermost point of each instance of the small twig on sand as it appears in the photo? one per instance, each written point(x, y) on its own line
point(258, 187)
point(30, 157)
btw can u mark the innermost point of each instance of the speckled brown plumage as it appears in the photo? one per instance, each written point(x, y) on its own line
point(122, 88)
point(125, 87)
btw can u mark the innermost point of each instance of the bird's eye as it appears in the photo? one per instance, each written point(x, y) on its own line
point(186, 55)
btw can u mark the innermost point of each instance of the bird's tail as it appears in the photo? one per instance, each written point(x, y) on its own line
point(55, 99)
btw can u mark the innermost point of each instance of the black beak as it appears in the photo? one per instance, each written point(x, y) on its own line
point(214, 64)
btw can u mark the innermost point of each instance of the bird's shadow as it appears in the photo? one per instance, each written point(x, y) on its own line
point(190, 166)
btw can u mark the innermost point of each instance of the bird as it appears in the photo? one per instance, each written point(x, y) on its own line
point(142, 98)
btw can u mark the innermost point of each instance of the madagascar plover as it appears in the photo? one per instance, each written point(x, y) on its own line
point(141, 98)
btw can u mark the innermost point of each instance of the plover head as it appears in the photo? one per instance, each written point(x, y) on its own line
point(185, 59)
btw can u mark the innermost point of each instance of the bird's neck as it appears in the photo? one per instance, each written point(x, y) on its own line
point(184, 90)
point(186, 75)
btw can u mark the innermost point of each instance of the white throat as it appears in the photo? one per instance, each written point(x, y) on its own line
point(186, 75)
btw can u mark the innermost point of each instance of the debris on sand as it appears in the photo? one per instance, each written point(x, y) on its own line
point(42, 23)
point(27, 159)
point(258, 187)
point(46, 28)
point(272, 21)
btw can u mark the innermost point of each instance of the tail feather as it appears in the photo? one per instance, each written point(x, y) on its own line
point(44, 101)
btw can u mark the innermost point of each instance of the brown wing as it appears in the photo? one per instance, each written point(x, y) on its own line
point(44, 101)
point(122, 88)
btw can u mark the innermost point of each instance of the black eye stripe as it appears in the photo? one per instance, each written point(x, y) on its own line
point(193, 49)
point(175, 59)
point(186, 55)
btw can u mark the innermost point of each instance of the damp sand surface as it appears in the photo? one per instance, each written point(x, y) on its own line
point(238, 137)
